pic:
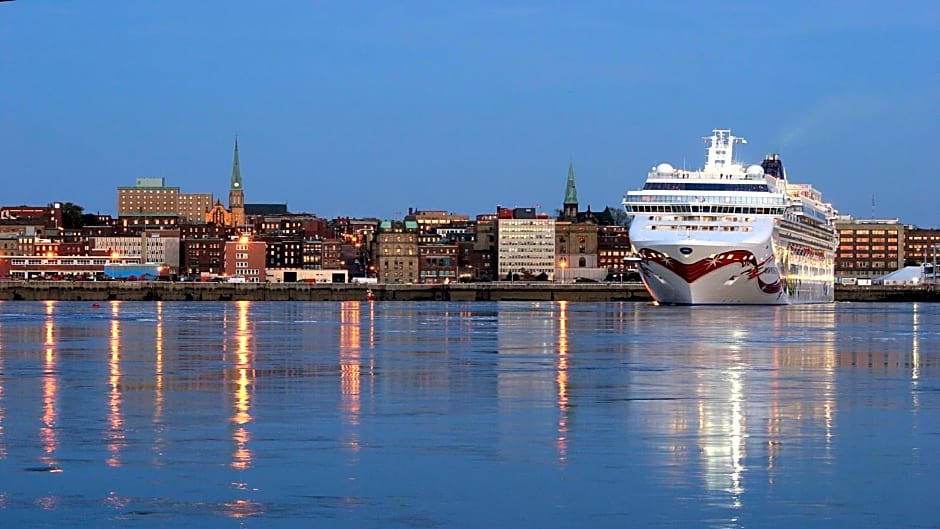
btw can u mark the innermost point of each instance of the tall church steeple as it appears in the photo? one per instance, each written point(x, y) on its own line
point(570, 211)
point(236, 194)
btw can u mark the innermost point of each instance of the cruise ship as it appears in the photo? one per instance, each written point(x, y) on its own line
point(732, 234)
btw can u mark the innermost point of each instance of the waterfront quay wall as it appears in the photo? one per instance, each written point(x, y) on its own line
point(185, 291)
point(498, 291)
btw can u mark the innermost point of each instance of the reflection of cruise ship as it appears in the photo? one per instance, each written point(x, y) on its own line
point(732, 234)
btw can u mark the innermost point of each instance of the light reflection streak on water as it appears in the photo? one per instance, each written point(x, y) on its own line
point(828, 354)
point(242, 508)
point(3, 446)
point(350, 374)
point(115, 420)
point(737, 436)
point(242, 458)
point(722, 424)
point(47, 433)
point(371, 326)
point(159, 441)
point(915, 358)
point(562, 380)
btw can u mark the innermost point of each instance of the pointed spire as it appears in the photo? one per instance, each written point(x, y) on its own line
point(571, 194)
point(236, 184)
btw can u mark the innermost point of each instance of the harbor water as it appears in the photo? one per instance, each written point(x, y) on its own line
point(468, 415)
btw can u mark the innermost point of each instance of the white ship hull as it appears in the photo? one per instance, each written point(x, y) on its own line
point(768, 270)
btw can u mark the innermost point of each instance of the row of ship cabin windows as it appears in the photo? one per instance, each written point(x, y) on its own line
point(695, 218)
point(696, 227)
point(686, 208)
point(712, 199)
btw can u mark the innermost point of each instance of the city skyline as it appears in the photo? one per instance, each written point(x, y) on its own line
point(366, 110)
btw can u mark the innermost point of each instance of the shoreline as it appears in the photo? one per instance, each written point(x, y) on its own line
point(496, 291)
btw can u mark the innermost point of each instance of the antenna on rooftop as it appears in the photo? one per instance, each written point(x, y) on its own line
point(873, 206)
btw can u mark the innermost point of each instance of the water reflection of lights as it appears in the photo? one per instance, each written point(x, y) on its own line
point(915, 357)
point(561, 442)
point(243, 509)
point(159, 442)
point(723, 446)
point(47, 433)
point(3, 449)
point(737, 437)
point(797, 350)
point(115, 420)
point(241, 459)
point(47, 503)
point(350, 368)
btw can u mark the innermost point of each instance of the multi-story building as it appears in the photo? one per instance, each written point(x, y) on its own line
point(921, 245)
point(204, 231)
point(396, 251)
point(525, 244)
point(194, 207)
point(283, 252)
point(150, 196)
point(205, 255)
point(29, 245)
point(281, 225)
point(21, 226)
point(484, 247)
point(9, 244)
point(152, 246)
point(437, 263)
point(50, 216)
point(868, 247)
point(58, 267)
point(431, 219)
point(132, 225)
point(576, 249)
point(245, 258)
point(331, 254)
point(322, 254)
point(87, 232)
point(613, 250)
point(162, 247)
point(575, 239)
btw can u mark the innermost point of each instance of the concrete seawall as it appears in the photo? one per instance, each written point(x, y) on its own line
point(518, 291)
point(170, 291)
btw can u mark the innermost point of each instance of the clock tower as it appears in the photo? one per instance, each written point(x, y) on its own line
point(236, 195)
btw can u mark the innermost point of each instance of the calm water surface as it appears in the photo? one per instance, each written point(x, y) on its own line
point(477, 415)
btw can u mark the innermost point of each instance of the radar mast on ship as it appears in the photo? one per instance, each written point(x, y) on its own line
point(720, 154)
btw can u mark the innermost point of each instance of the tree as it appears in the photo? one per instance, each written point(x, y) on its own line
point(72, 216)
point(89, 219)
point(620, 216)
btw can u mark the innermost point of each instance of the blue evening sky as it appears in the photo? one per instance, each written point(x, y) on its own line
point(369, 108)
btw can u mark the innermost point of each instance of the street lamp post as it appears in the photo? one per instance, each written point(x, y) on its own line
point(563, 265)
